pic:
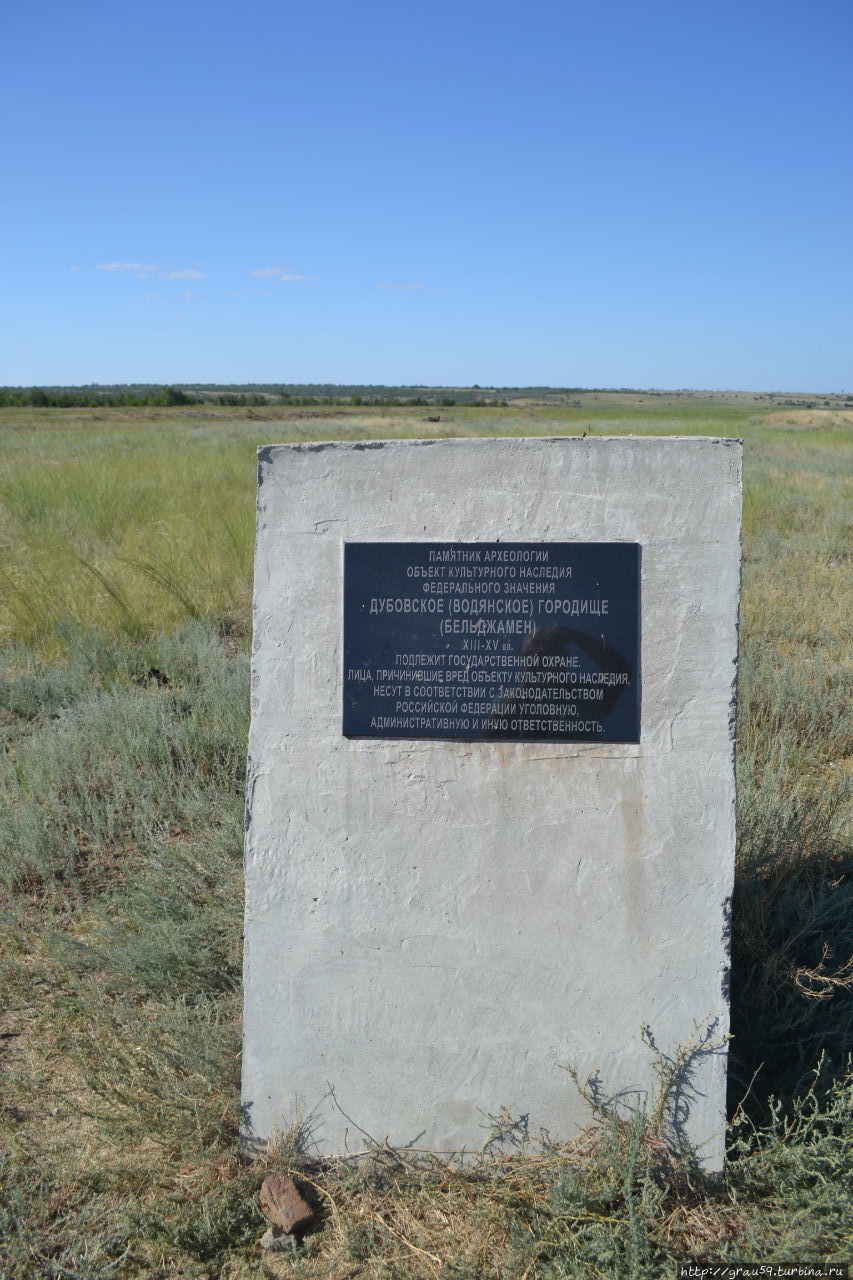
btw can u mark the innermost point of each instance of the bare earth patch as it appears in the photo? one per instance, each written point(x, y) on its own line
point(816, 418)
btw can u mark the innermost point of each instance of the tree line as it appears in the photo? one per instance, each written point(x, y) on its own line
point(93, 397)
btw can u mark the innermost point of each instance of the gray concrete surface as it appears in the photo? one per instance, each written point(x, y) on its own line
point(435, 929)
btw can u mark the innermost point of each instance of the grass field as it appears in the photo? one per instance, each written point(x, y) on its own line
point(125, 579)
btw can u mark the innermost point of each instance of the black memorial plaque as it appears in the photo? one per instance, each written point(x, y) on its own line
point(517, 641)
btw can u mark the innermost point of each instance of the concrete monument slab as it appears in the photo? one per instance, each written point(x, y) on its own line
point(440, 915)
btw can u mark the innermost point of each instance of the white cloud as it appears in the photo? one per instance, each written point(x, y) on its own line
point(127, 266)
point(402, 284)
point(149, 295)
point(285, 274)
point(191, 297)
point(189, 273)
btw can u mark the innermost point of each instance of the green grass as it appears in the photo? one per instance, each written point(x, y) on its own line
point(132, 520)
point(126, 548)
point(120, 526)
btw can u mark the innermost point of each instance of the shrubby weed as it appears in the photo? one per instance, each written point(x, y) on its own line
point(123, 720)
point(107, 768)
point(121, 823)
point(794, 1175)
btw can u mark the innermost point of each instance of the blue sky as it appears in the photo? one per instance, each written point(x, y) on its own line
point(608, 193)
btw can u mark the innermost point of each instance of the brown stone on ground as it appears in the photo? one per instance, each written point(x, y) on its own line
point(283, 1204)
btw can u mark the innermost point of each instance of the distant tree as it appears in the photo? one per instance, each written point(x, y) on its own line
point(174, 395)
